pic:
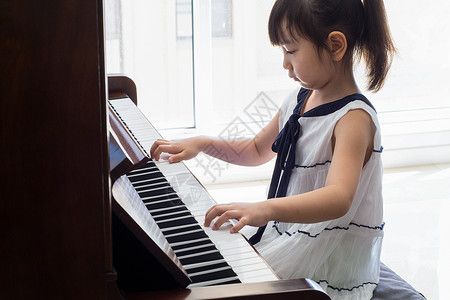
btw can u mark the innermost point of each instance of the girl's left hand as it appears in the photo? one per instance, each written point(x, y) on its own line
point(253, 214)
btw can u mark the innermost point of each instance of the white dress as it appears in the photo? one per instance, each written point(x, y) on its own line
point(342, 255)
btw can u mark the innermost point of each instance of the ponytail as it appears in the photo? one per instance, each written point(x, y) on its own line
point(377, 46)
point(364, 25)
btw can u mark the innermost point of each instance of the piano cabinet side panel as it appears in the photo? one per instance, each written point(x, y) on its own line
point(54, 184)
point(137, 269)
point(287, 289)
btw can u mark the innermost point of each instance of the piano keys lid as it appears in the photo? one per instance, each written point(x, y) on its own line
point(125, 152)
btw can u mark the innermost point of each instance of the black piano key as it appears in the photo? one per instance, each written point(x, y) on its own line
point(163, 203)
point(147, 168)
point(186, 220)
point(228, 273)
point(179, 211)
point(186, 237)
point(159, 197)
point(151, 178)
point(148, 180)
point(144, 180)
point(180, 229)
point(150, 165)
point(201, 257)
point(157, 212)
point(148, 176)
point(149, 183)
point(235, 280)
point(157, 191)
point(206, 247)
point(213, 266)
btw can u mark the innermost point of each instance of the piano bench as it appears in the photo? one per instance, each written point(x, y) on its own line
point(392, 287)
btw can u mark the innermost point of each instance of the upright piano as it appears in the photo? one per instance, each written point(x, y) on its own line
point(67, 228)
point(159, 241)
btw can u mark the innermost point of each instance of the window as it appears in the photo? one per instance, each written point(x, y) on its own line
point(184, 19)
point(156, 52)
point(198, 64)
point(414, 105)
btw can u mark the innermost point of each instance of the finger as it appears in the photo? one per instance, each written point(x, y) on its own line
point(155, 145)
point(242, 222)
point(213, 212)
point(176, 158)
point(210, 215)
point(168, 148)
point(230, 214)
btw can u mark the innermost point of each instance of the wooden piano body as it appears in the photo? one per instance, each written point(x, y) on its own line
point(55, 195)
point(177, 202)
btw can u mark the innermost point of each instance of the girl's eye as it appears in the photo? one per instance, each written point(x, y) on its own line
point(287, 51)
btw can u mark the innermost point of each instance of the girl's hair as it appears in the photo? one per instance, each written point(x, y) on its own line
point(364, 25)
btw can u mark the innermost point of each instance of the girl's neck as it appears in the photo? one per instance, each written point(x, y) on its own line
point(339, 87)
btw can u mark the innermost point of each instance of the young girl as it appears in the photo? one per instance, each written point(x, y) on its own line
point(323, 216)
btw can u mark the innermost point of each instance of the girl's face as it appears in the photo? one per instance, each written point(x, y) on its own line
point(305, 64)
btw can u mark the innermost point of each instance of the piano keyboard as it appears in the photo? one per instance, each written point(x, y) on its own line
point(178, 202)
point(198, 255)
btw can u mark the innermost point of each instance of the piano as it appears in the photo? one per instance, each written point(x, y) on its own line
point(65, 233)
point(164, 206)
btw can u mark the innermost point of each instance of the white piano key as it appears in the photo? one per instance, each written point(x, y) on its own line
point(150, 186)
point(178, 251)
point(174, 213)
point(236, 242)
point(165, 208)
point(238, 252)
point(146, 180)
point(251, 264)
point(154, 189)
point(260, 278)
point(184, 243)
point(183, 233)
point(197, 254)
point(174, 219)
point(204, 264)
point(179, 227)
point(157, 196)
point(131, 175)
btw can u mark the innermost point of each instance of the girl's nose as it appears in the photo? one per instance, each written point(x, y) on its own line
point(286, 63)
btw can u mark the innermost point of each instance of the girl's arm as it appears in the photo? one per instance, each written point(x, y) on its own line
point(353, 145)
point(252, 152)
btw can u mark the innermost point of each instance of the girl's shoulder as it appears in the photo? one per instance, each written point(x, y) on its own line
point(331, 111)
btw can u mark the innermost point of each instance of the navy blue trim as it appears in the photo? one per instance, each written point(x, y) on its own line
point(327, 229)
point(331, 107)
point(346, 289)
point(313, 166)
point(378, 151)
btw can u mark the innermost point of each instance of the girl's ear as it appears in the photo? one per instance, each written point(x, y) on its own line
point(338, 45)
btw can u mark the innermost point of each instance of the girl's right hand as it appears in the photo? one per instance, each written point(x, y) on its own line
point(179, 150)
